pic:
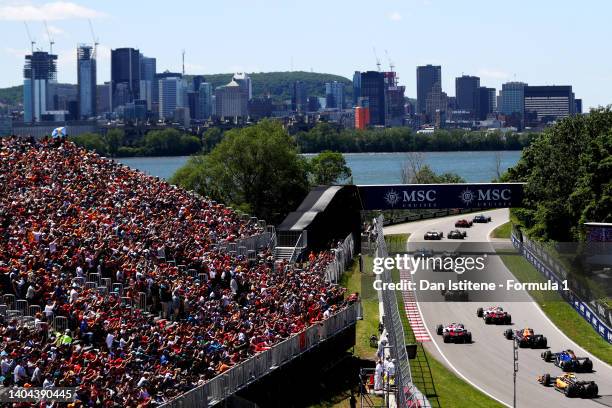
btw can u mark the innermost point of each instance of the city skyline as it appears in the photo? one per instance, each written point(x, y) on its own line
point(501, 52)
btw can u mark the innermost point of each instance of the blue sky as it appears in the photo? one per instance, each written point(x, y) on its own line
point(539, 41)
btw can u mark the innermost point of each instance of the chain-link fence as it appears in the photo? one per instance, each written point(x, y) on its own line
point(407, 395)
point(596, 312)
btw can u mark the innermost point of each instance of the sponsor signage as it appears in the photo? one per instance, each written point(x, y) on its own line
point(409, 196)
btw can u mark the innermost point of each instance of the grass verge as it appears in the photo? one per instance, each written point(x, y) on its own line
point(503, 231)
point(561, 313)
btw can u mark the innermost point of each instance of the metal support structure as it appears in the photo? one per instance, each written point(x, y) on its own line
point(515, 350)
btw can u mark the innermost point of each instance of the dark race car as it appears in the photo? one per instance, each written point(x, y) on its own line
point(568, 361)
point(433, 235)
point(494, 315)
point(455, 295)
point(481, 219)
point(424, 253)
point(526, 338)
point(463, 224)
point(456, 234)
point(569, 385)
point(454, 333)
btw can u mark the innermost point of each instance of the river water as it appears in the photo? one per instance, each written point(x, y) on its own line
point(372, 168)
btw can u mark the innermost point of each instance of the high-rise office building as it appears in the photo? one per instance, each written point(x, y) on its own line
point(231, 100)
point(486, 102)
point(299, 97)
point(578, 103)
point(86, 78)
point(125, 75)
point(427, 77)
point(466, 93)
point(356, 87)
point(205, 94)
point(39, 73)
point(373, 88)
point(436, 103)
point(244, 81)
point(334, 93)
point(170, 96)
point(395, 101)
point(512, 98)
point(545, 104)
point(104, 96)
point(148, 69)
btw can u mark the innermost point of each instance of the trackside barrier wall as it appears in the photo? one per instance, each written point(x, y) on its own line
point(406, 393)
point(259, 365)
point(536, 254)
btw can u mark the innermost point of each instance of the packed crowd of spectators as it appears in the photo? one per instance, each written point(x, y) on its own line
point(67, 213)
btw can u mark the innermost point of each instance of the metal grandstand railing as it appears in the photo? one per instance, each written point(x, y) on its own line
point(343, 254)
point(406, 393)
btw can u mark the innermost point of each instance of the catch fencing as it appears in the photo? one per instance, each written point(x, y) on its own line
point(598, 316)
point(407, 395)
point(343, 254)
point(231, 381)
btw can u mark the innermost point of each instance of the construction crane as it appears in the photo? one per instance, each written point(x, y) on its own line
point(32, 42)
point(391, 65)
point(94, 38)
point(51, 42)
point(377, 59)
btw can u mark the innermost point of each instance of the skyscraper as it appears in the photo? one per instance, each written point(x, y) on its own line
point(299, 97)
point(436, 103)
point(486, 102)
point(394, 98)
point(125, 76)
point(244, 81)
point(334, 93)
point(356, 87)
point(170, 96)
point(86, 77)
point(545, 104)
point(373, 88)
point(427, 77)
point(466, 93)
point(39, 71)
point(148, 69)
point(512, 98)
point(103, 96)
point(205, 94)
point(231, 100)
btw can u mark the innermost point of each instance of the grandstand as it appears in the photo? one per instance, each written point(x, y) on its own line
point(135, 291)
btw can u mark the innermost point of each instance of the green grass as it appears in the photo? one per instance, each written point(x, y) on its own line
point(503, 231)
point(438, 383)
point(396, 242)
point(561, 313)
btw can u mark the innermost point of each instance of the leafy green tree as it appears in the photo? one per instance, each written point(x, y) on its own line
point(256, 168)
point(568, 171)
point(114, 140)
point(329, 167)
point(91, 141)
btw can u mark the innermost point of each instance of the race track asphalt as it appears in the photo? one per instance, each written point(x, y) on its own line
point(487, 362)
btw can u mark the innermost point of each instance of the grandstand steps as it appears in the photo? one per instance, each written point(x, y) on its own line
point(283, 253)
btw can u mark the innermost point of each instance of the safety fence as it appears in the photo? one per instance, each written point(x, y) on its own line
point(343, 254)
point(407, 394)
point(392, 217)
point(263, 363)
point(598, 316)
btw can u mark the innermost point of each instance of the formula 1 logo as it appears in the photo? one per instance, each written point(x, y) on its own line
point(467, 196)
point(392, 197)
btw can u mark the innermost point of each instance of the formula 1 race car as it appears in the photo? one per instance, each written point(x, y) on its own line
point(567, 361)
point(433, 235)
point(481, 219)
point(569, 385)
point(454, 333)
point(526, 338)
point(494, 315)
point(463, 224)
point(456, 234)
point(455, 295)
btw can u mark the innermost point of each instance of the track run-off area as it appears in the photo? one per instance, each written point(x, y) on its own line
point(487, 363)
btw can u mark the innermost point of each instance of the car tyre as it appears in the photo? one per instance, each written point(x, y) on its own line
point(587, 365)
point(508, 334)
point(546, 380)
point(439, 329)
point(547, 356)
point(571, 391)
point(479, 312)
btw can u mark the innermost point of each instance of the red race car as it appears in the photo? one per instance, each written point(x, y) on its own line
point(494, 315)
point(454, 333)
point(463, 224)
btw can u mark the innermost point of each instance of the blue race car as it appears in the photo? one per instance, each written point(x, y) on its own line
point(568, 361)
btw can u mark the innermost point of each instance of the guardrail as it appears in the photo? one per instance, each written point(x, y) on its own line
point(263, 363)
point(407, 394)
point(537, 255)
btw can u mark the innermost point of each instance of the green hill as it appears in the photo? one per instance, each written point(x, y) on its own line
point(278, 84)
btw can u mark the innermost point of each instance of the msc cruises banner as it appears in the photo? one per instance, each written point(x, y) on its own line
point(409, 196)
